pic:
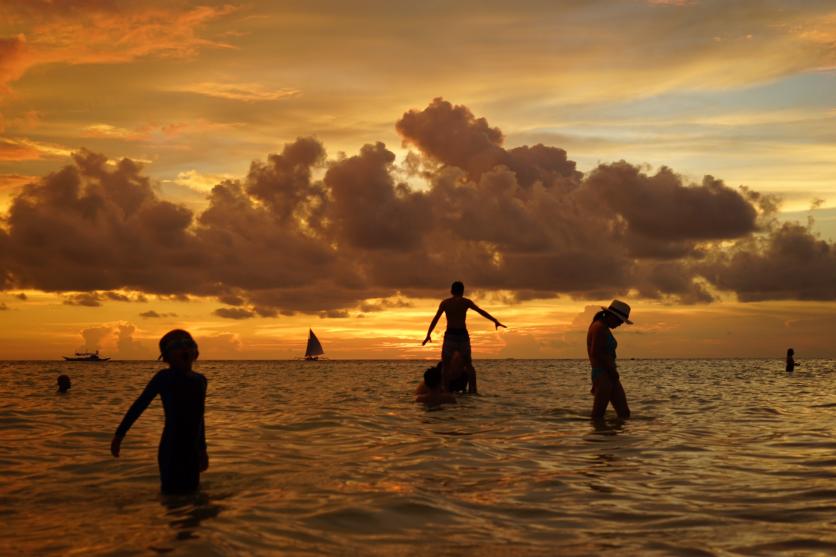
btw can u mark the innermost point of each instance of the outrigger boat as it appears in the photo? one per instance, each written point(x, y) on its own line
point(314, 349)
point(86, 357)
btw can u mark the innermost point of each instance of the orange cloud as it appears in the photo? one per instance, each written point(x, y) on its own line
point(96, 33)
point(246, 92)
point(27, 150)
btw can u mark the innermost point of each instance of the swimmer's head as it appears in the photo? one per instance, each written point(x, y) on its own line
point(432, 377)
point(457, 288)
point(178, 348)
point(64, 383)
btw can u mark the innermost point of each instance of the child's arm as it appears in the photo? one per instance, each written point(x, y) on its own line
point(133, 413)
point(434, 321)
point(486, 315)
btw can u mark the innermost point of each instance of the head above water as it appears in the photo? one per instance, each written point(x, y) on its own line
point(178, 348)
point(790, 352)
point(457, 288)
point(432, 377)
point(615, 315)
point(64, 383)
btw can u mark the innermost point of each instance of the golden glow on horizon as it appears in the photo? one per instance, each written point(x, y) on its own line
point(195, 93)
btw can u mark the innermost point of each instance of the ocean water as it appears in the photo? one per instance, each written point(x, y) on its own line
point(722, 457)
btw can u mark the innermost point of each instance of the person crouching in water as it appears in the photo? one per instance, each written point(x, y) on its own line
point(182, 453)
point(64, 383)
point(601, 345)
point(457, 376)
point(430, 391)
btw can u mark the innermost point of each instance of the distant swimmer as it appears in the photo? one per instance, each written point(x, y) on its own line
point(430, 391)
point(64, 383)
point(790, 360)
point(456, 337)
point(182, 453)
point(601, 345)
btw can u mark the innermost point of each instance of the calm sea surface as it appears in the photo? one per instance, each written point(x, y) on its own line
point(722, 457)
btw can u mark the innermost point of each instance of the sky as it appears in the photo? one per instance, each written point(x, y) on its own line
point(250, 170)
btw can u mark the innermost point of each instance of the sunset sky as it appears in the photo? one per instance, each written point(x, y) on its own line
point(249, 170)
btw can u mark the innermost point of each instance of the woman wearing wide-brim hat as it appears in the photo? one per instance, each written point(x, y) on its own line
point(601, 345)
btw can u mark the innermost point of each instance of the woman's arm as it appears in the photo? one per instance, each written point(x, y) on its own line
point(134, 412)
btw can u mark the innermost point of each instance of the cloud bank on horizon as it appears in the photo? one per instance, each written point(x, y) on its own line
point(305, 233)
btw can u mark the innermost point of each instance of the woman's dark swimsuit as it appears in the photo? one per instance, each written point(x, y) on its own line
point(183, 439)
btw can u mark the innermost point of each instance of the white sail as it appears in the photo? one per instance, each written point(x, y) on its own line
point(314, 347)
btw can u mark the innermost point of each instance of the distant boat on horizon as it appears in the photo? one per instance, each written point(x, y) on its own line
point(314, 349)
point(86, 357)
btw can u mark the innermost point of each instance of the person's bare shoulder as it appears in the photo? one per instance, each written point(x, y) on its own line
point(469, 303)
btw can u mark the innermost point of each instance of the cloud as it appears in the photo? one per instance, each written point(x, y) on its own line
point(95, 299)
point(304, 233)
point(245, 92)
point(93, 337)
point(101, 33)
point(151, 314)
point(234, 313)
point(88, 299)
point(22, 149)
point(790, 263)
point(3, 306)
point(14, 59)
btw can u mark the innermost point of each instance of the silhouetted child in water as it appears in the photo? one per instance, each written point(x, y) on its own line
point(790, 360)
point(182, 453)
point(430, 391)
point(64, 383)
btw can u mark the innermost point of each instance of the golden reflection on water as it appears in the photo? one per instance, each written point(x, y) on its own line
point(720, 457)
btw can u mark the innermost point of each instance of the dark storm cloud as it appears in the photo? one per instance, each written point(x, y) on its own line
point(522, 220)
point(791, 263)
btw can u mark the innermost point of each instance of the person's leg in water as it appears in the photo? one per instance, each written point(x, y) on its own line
point(618, 398)
point(602, 389)
point(469, 370)
point(471, 378)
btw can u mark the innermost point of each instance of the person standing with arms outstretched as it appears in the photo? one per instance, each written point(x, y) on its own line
point(601, 345)
point(456, 337)
point(182, 453)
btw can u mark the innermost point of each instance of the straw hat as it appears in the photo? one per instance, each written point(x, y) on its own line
point(620, 310)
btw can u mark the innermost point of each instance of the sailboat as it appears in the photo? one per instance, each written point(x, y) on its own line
point(314, 348)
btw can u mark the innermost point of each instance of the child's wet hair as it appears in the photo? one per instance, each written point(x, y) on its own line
point(432, 377)
point(173, 338)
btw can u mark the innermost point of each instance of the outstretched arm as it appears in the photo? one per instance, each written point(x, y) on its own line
point(433, 323)
point(133, 413)
point(486, 315)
